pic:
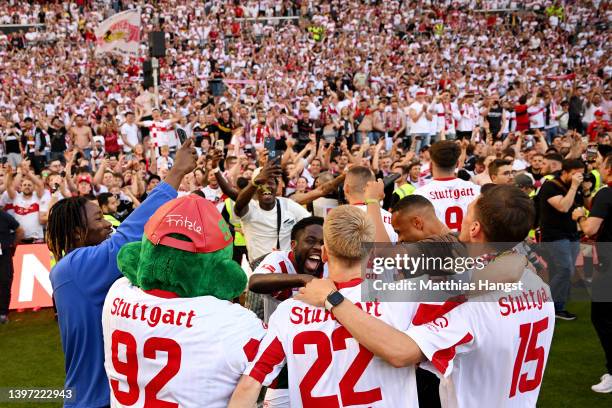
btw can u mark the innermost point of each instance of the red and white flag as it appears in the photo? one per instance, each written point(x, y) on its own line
point(119, 34)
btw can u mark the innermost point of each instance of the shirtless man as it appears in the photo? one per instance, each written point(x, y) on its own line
point(81, 136)
point(144, 108)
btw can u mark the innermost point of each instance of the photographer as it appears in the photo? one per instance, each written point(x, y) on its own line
point(599, 225)
point(557, 198)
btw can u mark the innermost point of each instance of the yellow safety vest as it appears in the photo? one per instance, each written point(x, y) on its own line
point(239, 239)
point(317, 33)
point(404, 190)
point(532, 232)
point(439, 29)
point(598, 183)
point(545, 179)
point(114, 222)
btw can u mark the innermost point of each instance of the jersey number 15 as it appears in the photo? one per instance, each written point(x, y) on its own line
point(528, 351)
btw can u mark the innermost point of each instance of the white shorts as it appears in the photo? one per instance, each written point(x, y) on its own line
point(276, 398)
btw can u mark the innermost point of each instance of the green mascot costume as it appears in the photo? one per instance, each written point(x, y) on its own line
point(172, 335)
point(187, 250)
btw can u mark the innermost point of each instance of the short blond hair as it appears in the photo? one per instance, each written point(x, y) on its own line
point(345, 230)
point(357, 178)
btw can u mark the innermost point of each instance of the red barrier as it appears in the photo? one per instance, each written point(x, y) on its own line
point(31, 285)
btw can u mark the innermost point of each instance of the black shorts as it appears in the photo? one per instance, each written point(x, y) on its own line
point(144, 131)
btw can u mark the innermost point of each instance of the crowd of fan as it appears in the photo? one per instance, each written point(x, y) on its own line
point(344, 82)
point(284, 108)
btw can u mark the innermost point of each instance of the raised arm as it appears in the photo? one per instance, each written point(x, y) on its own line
point(39, 185)
point(541, 144)
point(299, 163)
point(130, 230)
point(375, 159)
point(321, 191)
point(71, 186)
point(289, 153)
point(10, 183)
point(227, 188)
point(374, 192)
point(271, 169)
point(97, 180)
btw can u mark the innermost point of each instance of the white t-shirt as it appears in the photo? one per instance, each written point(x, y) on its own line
point(422, 124)
point(469, 117)
point(491, 350)
point(203, 343)
point(322, 205)
point(131, 134)
point(446, 116)
point(47, 196)
point(215, 196)
point(450, 198)
point(260, 226)
point(26, 211)
point(536, 116)
point(386, 216)
point(164, 162)
point(162, 132)
point(324, 361)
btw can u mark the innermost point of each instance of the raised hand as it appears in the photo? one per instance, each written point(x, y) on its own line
point(375, 190)
point(185, 162)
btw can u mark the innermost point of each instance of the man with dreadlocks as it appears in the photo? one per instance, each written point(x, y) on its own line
point(79, 238)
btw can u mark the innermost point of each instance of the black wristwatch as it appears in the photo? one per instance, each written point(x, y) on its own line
point(333, 300)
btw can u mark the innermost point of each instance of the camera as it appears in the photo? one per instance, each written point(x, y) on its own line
point(589, 178)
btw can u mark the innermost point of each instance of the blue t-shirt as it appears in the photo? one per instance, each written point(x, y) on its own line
point(80, 282)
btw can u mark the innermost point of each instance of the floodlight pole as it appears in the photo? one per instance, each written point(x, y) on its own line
point(155, 66)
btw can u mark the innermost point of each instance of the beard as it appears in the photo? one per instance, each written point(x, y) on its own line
point(301, 260)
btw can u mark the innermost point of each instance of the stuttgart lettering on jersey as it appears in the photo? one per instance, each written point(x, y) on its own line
point(308, 315)
point(526, 301)
point(452, 193)
point(153, 316)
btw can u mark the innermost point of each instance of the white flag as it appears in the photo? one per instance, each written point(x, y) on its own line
point(119, 34)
